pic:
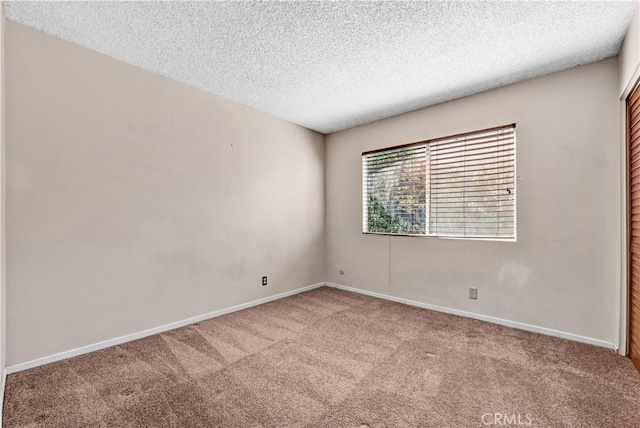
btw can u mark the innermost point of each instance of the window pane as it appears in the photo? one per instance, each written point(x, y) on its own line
point(394, 197)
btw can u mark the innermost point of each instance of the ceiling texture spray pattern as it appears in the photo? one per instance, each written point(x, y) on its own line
point(330, 66)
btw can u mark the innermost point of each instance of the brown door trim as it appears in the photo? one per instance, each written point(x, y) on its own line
point(632, 146)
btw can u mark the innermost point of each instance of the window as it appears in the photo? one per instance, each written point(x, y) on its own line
point(459, 186)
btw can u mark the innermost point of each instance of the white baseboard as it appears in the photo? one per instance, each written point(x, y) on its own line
point(507, 323)
point(129, 337)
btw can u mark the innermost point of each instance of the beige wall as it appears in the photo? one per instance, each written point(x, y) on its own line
point(563, 272)
point(134, 201)
point(629, 57)
point(3, 271)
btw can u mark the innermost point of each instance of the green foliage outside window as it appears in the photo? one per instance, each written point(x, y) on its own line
point(380, 221)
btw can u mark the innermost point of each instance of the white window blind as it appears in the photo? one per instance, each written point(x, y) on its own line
point(460, 186)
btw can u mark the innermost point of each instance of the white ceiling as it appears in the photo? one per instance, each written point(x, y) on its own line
point(329, 66)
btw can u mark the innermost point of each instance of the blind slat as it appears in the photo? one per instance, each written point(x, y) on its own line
point(504, 166)
point(477, 151)
point(469, 190)
point(448, 162)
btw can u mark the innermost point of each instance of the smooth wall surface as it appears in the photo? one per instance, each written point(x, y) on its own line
point(563, 272)
point(134, 201)
point(3, 270)
point(629, 57)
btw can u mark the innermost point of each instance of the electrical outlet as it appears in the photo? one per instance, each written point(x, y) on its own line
point(473, 293)
point(264, 281)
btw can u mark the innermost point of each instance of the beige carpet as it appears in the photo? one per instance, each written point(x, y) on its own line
point(329, 358)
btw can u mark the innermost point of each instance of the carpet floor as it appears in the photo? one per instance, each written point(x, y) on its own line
point(330, 358)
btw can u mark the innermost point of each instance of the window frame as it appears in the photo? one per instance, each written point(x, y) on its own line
point(428, 142)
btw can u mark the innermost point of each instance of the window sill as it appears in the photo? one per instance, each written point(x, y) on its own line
point(456, 238)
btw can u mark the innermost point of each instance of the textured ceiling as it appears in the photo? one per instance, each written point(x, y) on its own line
point(329, 66)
